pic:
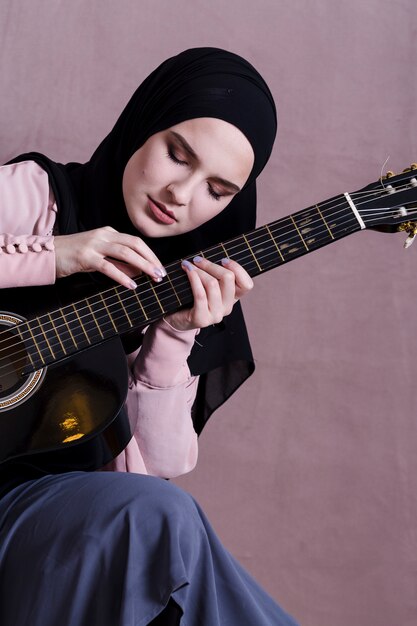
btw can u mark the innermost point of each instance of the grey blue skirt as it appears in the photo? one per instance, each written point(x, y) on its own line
point(111, 549)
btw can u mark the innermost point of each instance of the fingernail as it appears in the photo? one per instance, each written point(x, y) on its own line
point(225, 261)
point(160, 271)
point(188, 265)
point(132, 284)
point(197, 259)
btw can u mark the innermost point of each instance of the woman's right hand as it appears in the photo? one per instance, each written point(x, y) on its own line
point(117, 255)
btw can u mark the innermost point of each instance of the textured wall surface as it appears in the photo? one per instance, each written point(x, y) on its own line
point(309, 474)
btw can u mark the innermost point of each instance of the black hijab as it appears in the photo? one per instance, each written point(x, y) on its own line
point(200, 82)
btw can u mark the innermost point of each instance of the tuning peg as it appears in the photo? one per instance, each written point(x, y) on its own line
point(409, 241)
point(411, 229)
point(412, 167)
point(389, 174)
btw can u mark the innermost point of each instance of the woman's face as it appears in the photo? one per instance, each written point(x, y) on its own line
point(185, 175)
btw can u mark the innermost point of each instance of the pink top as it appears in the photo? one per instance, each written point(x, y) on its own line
point(161, 388)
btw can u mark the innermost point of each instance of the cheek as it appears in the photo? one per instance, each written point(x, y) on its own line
point(205, 208)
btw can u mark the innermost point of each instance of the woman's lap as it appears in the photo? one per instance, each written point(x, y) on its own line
point(111, 548)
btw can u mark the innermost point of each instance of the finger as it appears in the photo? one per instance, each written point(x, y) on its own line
point(109, 269)
point(219, 298)
point(137, 245)
point(199, 312)
point(123, 253)
point(226, 280)
point(129, 270)
point(244, 282)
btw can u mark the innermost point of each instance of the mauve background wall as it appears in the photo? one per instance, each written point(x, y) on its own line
point(309, 472)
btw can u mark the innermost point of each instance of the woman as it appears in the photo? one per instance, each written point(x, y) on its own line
point(176, 174)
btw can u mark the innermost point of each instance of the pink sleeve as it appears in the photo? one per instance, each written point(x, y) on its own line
point(27, 217)
point(161, 394)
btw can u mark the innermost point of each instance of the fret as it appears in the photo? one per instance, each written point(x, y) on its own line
point(68, 328)
point(57, 333)
point(339, 216)
point(108, 312)
point(56, 347)
point(274, 242)
point(156, 296)
point(140, 304)
point(215, 254)
point(94, 318)
point(311, 228)
point(123, 307)
point(225, 251)
point(46, 338)
point(36, 341)
point(173, 289)
point(325, 223)
point(237, 250)
point(76, 320)
point(252, 252)
point(81, 323)
point(282, 233)
point(117, 310)
point(298, 231)
point(25, 343)
point(130, 315)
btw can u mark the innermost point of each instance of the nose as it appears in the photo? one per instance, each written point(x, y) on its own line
point(180, 192)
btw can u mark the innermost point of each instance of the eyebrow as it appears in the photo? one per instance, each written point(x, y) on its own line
point(186, 146)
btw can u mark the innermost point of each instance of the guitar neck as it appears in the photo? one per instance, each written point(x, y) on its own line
point(62, 332)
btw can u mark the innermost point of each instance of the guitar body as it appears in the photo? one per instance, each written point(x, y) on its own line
point(68, 415)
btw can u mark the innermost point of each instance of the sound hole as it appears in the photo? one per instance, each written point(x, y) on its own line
point(13, 359)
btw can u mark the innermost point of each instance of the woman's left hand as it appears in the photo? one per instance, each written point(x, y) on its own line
point(215, 289)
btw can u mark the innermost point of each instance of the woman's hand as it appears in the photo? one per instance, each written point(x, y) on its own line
point(215, 289)
point(117, 255)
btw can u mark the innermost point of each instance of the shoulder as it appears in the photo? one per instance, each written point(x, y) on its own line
point(26, 200)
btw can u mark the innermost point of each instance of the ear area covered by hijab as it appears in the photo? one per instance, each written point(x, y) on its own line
point(200, 82)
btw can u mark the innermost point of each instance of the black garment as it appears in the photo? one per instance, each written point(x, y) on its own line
point(200, 82)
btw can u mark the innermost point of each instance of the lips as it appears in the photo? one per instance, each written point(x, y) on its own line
point(160, 212)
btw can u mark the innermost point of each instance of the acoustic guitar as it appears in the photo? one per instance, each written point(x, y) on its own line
point(63, 372)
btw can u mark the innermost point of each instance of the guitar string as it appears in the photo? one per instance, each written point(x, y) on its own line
point(152, 313)
point(182, 275)
point(277, 233)
point(69, 310)
point(297, 240)
point(287, 243)
point(173, 299)
point(313, 222)
point(174, 276)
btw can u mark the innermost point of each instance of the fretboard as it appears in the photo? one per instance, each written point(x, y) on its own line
point(60, 333)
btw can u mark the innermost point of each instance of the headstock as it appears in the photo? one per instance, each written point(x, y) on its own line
point(390, 204)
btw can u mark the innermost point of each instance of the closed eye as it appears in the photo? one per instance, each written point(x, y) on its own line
point(212, 193)
point(174, 157)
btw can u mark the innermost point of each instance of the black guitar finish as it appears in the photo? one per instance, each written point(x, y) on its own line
point(63, 373)
point(75, 420)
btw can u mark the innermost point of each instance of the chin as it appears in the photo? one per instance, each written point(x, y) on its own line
point(153, 230)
